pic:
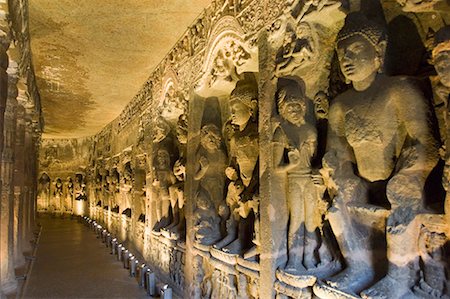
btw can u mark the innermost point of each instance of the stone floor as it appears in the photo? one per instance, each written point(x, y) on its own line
point(72, 263)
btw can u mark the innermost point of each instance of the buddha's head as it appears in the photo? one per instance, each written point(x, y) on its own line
point(361, 46)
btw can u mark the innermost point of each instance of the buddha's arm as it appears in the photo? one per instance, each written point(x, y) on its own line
point(337, 171)
point(339, 155)
point(421, 146)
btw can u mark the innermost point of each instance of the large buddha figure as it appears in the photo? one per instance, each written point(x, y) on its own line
point(380, 147)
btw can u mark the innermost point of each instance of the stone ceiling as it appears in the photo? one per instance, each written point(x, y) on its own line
point(91, 56)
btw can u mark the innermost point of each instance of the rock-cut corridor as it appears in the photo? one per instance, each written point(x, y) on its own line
point(71, 262)
point(225, 149)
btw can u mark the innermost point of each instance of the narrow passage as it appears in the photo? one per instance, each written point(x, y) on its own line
point(72, 263)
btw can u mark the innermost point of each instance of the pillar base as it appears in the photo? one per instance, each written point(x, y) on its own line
point(9, 287)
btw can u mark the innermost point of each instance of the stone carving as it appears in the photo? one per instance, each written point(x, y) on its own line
point(441, 61)
point(43, 192)
point(244, 153)
point(176, 191)
point(80, 187)
point(174, 104)
point(163, 178)
point(211, 164)
point(228, 57)
point(126, 189)
point(177, 200)
point(299, 49)
point(199, 275)
point(381, 128)
point(98, 189)
point(69, 194)
point(206, 220)
point(433, 277)
point(295, 137)
point(231, 56)
point(141, 187)
point(58, 188)
point(197, 35)
point(211, 176)
point(114, 183)
point(377, 157)
point(298, 8)
point(424, 5)
point(321, 106)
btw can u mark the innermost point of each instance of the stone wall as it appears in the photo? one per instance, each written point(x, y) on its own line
point(62, 186)
point(285, 149)
point(20, 129)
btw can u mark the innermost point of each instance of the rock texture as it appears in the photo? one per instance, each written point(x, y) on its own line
point(93, 57)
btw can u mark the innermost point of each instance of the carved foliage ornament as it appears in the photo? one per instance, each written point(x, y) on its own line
point(228, 56)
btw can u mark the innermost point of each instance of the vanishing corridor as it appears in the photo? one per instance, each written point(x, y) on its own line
point(72, 263)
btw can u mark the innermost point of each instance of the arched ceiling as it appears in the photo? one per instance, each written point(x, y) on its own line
point(92, 56)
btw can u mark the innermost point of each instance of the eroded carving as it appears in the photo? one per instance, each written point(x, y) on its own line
point(295, 138)
point(211, 176)
point(243, 173)
point(381, 128)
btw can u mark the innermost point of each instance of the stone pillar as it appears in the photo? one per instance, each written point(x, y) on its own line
point(33, 154)
point(27, 232)
point(8, 282)
point(4, 44)
point(272, 203)
point(19, 178)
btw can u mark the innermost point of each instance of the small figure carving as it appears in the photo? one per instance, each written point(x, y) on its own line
point(69, 194)
point(206, 220)
point(231, 56)
point(299, 48)
point(244, 154)
point(296, 138)
point(58, 188)
point(80, 187)
point(44, 192)
point(234, 191)
point(176, 192)
point(433, 282)
point(199, 275)
point(380, 128)
point(163, 178)
point(211, 164)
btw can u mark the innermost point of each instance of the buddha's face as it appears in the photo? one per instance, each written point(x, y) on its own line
point(442, 66)
point(358, 58)
point(240, 113)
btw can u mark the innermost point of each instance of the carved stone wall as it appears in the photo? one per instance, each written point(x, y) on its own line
point(282, 149)
point(20, 130)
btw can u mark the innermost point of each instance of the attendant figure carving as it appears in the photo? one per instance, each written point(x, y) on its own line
point(295, 138)
point(243, 169)
point(163, 178)
point(211, 164)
